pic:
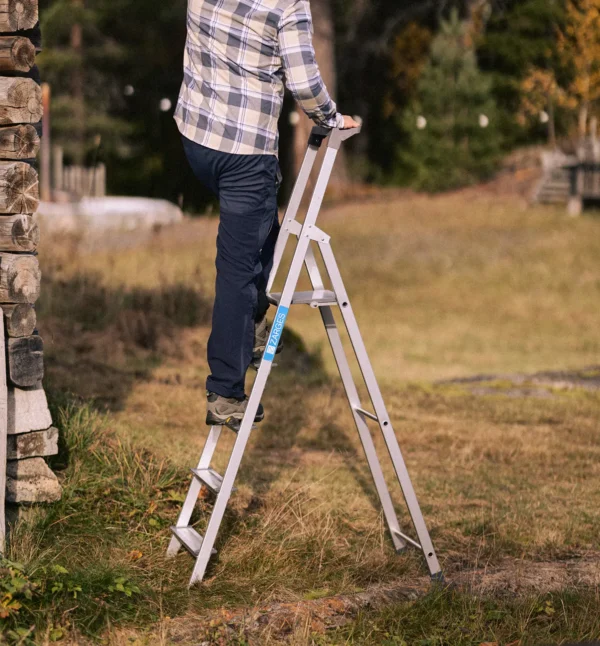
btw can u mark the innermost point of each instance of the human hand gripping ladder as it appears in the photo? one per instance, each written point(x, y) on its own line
point(307, 233)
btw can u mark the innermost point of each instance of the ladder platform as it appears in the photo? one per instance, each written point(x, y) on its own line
point(318, 298)
point(210, 479)
point(190, 539)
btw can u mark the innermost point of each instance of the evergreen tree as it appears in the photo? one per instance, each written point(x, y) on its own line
point(77, 62)
point(112, 89)
point(521, 36)
point(452, 137)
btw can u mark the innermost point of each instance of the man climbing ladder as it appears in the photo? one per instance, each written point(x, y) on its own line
point(236, 56)
point(231, 99)
point(308, 235)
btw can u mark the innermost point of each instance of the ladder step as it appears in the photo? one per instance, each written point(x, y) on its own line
point(190, 539)
point(318, 298)
point(210, 478)
point(366, 413)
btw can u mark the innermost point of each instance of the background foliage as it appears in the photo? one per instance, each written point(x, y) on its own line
point(525, 57)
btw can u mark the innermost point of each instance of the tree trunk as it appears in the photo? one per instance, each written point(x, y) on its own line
point(583, 119)
point(18, 233)
point(77, 89)
point(27, 410)
point(18, 14)
point(26, 361)
point(324, 42)
point(16, 54)
point(20, 320)
point(19, 188)
point(32, 445)
point(20, 101)
point(19, 142)
point(551, 124)
point(3, 437)
point(20, 278)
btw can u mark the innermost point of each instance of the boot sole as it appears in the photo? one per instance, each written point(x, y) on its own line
point(228, 420)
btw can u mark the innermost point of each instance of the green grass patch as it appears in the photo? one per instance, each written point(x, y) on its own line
point(447, 618)
point(74, 564)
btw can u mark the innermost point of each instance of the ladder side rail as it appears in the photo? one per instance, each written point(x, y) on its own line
point(265, 365)
point(381, 411)
point(364, 433)
point(363, 430)
point(194, 491)
point(317, 136)
point(292, 209)
point(210, 447)
point(246, 426)
point(224, 494)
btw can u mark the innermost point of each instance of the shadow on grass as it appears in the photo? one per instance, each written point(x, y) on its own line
point(98, 556)
point(100, 340)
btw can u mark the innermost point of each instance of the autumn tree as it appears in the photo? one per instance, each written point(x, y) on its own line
point(540, 96)
point(519, 50)
point(407, 57)
point(579, 43)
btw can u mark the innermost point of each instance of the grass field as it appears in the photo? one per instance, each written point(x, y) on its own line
point(506, 468)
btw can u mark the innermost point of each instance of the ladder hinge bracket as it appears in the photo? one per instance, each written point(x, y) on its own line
point(293, 226)
point(314, 233)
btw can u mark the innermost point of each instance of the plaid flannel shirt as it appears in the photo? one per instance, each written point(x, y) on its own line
point(236, 57)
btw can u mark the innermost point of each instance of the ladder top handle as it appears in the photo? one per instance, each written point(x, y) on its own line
point(320, 133)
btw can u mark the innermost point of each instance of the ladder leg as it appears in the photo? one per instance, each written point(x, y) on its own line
point(354, 400)
point(194, 490)
point(266, 363)
point(381, 411)
point(251, 410)
point(363, 430)
point(228, 481)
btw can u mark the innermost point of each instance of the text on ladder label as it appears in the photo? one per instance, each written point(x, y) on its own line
point(276, 332)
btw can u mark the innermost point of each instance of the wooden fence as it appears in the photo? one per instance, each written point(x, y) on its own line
point(585, 175)
point(77, 181)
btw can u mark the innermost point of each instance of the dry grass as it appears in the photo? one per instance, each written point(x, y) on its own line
point(443, 287)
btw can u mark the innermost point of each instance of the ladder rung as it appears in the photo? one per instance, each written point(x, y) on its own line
point(210, 478)
point(190, 539)
point(318, 298)
point(408, 539)
point(366, 413)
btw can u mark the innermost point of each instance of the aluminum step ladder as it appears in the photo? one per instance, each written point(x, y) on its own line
point(307, 233)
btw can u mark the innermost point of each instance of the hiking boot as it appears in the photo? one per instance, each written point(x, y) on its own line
point(261, 337)
point(229, 411)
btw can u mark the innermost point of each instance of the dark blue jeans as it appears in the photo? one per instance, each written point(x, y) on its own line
point(246, 186)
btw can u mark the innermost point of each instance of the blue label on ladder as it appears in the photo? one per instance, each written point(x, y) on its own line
point(276, 332)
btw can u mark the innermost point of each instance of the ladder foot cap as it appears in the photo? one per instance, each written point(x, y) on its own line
point(438, 579)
